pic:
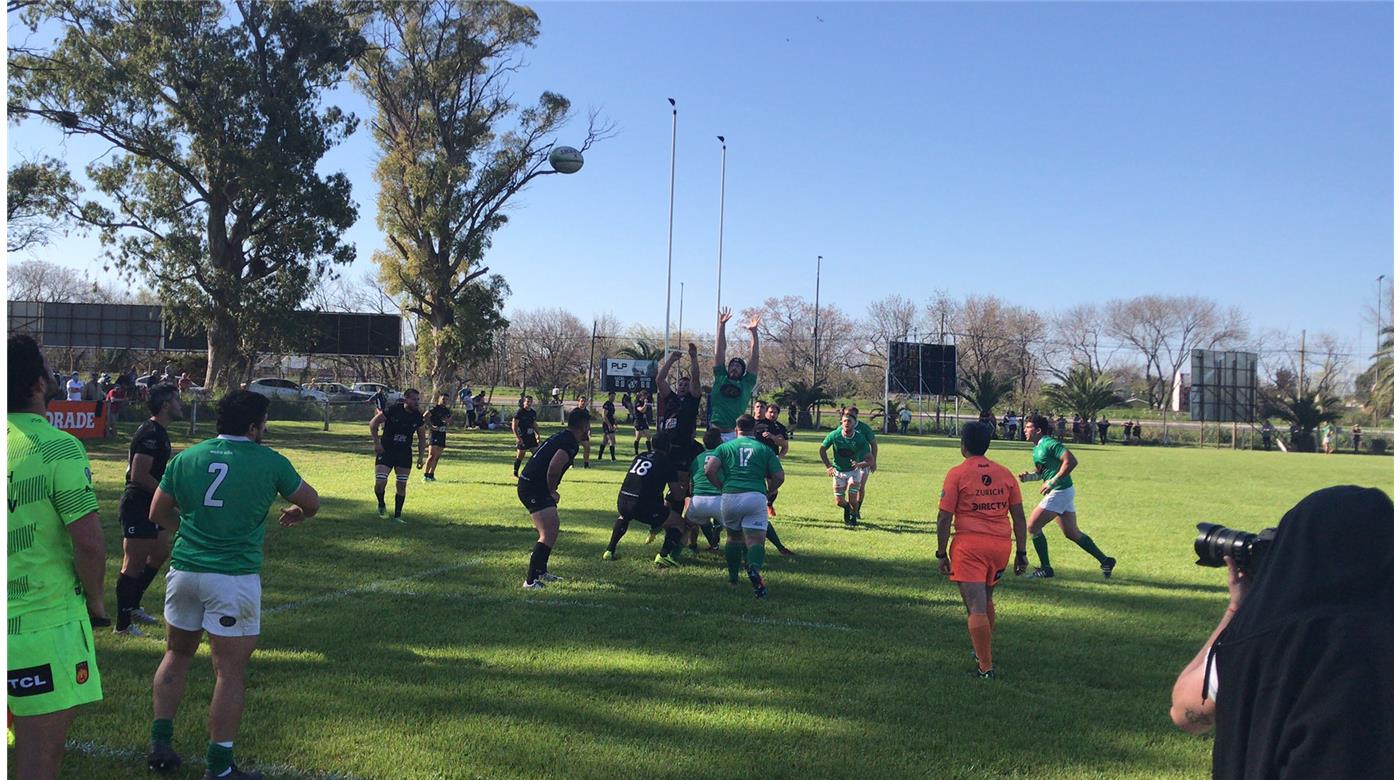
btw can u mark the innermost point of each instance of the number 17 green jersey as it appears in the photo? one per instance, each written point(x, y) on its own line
point(746, 463)
point(224, 487)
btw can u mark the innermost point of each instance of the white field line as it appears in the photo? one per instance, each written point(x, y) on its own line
point(373, 587)
point(95, 750)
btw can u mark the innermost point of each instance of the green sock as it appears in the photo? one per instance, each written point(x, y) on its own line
point(162, 730)
point(1042, 550)
point(756, 552)
point(1087, 545)
point(734, 555)
point(219, 758)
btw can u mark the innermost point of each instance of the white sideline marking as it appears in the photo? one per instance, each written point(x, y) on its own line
point(95, 750)
point(373, 587)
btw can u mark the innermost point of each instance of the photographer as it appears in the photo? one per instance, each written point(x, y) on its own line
point(1297, 679)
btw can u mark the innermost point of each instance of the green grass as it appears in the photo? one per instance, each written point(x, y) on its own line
point(438, 665)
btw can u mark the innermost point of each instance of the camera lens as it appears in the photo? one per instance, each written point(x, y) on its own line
point(1215, 542)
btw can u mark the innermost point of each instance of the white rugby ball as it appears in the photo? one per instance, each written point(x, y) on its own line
point(565, 159)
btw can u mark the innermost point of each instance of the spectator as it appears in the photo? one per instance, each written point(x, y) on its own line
point(1267, 432)
point(1078, 429)
point(380, 399)
point(75, 387)
point(116, 401)
point(479, 409)
point(904, 417)
point(1137, 432)
point(1298, 677)
point(1356, 438)
point(1127, 431)
point(465, 396)
point(92, 389)
point(1103, 429)
point(184, 383)
point(1060, 425)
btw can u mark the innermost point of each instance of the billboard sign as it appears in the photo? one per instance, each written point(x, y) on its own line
point(625, 375)
point(83, 419)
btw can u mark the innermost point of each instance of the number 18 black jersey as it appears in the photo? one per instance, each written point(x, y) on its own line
point(646, 480)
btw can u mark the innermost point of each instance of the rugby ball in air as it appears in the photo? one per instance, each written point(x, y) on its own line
point(565, 159)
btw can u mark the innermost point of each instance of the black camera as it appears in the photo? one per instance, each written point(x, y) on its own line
point(1215, 541)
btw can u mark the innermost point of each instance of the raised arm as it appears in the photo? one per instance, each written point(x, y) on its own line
point(753, 350)
point(724, 315)
point(663, 383)
point(694, 371)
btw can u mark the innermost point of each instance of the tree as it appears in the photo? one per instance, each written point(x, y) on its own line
point(641, 349)
point(38, 280)
point(786, 326)
point(1084, 392)
point(437, 74)
point(1307, 410)
point(214, 112)
point(549, 348)
point(39, 198)
point(985, 390)
point(1382, 395)
point(1081, 333)
point(805, 396)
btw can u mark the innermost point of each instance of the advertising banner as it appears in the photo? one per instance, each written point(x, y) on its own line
point(84, 419)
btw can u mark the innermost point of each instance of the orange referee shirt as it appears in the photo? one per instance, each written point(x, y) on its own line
point(980, 494)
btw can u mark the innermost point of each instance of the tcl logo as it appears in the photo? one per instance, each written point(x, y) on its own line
point(31, 681)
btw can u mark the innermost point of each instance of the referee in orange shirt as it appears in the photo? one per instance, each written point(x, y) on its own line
point(977, 497)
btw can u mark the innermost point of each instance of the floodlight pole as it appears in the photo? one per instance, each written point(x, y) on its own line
point(680, 320)
point(816, 325)
point(670, 223)
point(1379, 327)
point(719, 267)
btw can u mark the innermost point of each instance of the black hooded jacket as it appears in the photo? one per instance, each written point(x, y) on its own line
point(1306, 685)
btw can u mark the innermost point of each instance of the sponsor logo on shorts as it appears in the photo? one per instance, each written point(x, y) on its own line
point(31, 681)
point(80, 673)
point(227, 621)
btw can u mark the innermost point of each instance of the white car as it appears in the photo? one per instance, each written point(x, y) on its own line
point(336, 393)
point(370, 388)
point(284, 388)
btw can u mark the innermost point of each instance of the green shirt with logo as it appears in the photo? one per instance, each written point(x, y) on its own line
point(699, 483)
point(746, 463)
point(865, 431)
point(728, 398)
point(1047, 455)
point(49, 487)
point(849, 451)
point(224, 487)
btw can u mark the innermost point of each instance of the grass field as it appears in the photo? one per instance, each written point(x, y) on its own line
point(412, 652)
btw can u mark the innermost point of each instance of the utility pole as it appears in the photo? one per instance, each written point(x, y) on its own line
point(816, 325)
point(593, 340)
point(1302, 361)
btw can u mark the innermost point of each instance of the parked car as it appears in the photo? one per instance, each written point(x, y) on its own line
point(284, 388)
point(370, 388)
point(337, 393)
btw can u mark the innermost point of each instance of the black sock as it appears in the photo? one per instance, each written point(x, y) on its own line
point(539, 562)
point(846, 510)
point(773, 537)
point(148, 576)
point(634, 447)
point(517, 466)
point(379, 496)
point(711, 534)
point(126, 599)
point(398, 504)
point(613, 450)
point(619, 530)
point(671, 542)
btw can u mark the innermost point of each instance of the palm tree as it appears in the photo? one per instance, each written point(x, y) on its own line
point(805, 396)
point(1082, 391)
point(985, 390)
point(1306, 411)
point(1383, 389)
point(642, 349)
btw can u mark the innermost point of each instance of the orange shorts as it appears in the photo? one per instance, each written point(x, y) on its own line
point(978, 558)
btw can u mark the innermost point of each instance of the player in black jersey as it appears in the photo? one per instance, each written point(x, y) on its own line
point(583, 404)
point(680, 412)
point(538, 490)
point(437, 419)
point(641, 421)
point(527, 434)
point(609, 439)
point(642, 499)
point(394, 449)
point(773, 433)
point(145, 545)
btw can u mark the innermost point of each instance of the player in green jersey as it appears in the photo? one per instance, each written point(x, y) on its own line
point(869, 434)
point(56, 558)
point(852, 459)
point(746, 471)
point(734, 380)
point(1053, 463)
point(705, 512)
point(215, 496)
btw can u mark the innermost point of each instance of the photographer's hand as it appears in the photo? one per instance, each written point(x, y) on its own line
point(1238, 585)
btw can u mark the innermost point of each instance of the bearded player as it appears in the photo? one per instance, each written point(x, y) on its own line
point(734, 380)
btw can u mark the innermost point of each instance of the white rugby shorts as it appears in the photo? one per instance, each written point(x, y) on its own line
point(848, 480)
point(704, 509)
point(222, 604)
point(745, 511)
point(1059, 501)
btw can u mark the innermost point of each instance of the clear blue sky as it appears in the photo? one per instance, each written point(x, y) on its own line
point(1042, 152)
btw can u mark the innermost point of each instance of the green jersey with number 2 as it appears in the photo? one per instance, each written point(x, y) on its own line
point(224, 488)
point(747, 462)
point(1047, 455)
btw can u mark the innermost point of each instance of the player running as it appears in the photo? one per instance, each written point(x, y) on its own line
point(745, 472)
point(394, 448)
point(144, 546)
point(977, 496)
point(538, 491)
point(527, 433)
point(1053, 463)
point(642, 499)
point(609, 439)
point(437, 418)
point(852, 458)
point(869, 434)
point(215, 496)
point(768, 430)
point(55, 559)
point(641, 421)
point(734, 380)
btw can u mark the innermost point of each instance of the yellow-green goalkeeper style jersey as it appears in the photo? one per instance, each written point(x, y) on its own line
point(49, 487)
point(224, 487)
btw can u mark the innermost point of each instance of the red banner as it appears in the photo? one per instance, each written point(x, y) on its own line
point(84, 419)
